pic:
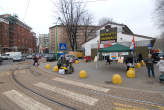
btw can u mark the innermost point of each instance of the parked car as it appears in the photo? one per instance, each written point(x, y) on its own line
point(16, 56)
point(74, 58)
point(51, 57)
point(29, 56)
point(5, 56)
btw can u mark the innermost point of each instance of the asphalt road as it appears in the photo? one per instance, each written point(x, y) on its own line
point(24, 87)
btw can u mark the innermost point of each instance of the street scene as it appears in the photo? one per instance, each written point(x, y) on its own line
point(86, 56)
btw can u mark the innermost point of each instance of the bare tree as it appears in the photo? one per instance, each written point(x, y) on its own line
point(104, 20)
point(86, 20)
point(160, 13)
point(70, 13)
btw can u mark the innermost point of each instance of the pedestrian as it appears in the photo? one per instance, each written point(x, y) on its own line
point(140, 58)
point(35, 59)
point(129, 61)
point(160, 64)
point(150, 65)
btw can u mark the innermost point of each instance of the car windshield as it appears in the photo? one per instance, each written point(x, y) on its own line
point(5, 55)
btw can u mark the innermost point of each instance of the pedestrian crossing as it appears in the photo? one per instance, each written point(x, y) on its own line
point(75, 96)
point(25, 102)
point(84, 85)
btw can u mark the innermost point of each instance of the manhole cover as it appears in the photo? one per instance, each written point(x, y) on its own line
point(108, 82)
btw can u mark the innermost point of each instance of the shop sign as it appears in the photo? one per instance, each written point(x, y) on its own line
point(108, 34)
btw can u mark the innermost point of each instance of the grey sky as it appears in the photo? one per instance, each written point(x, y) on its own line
point(137, 14)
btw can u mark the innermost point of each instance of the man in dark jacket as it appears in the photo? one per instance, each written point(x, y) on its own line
point(35, 58)
point(129, 61)
point(150, 66)
point(140, 58)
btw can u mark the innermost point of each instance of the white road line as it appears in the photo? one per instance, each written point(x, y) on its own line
point(25, 102)
point(76, 83)
point(75, 96)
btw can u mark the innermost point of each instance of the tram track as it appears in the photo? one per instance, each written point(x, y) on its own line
point(13, 76)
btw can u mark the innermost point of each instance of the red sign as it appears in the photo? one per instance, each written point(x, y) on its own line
point(107, 43)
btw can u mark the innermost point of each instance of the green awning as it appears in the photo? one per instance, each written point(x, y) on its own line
point(115, 48)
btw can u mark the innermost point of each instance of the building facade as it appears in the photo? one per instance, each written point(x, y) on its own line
point(4, 35)
point(43, 42)
point(58, 34)
point(122, 35)
point(19, 35)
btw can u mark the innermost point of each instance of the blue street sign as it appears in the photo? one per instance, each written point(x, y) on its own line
point(149, 46)
point(62, 46)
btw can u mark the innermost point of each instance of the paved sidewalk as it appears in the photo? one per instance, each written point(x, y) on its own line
point(103, 75)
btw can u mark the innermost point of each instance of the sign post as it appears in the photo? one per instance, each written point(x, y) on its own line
point(149, 47)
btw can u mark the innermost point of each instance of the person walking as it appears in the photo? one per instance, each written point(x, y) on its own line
point(150, 65)
point(140, 58)
point(35, 59)
point(129, 61)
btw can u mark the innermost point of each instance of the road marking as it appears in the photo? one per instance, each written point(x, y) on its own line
point(76, 83)
point(3, 73)
point(161, 108)
point(75, 96)
point(120, 106)
point(25, 102)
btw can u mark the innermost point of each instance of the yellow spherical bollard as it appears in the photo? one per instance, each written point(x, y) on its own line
point(143, 63)
point(116, 79)
point(131, 74)
point(133, 69)
point(48, 66)
point(83, 74)
point(77, 62)
point(138, 65)
point(55, 69)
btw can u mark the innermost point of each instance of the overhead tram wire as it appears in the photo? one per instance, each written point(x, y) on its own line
point(28, 3)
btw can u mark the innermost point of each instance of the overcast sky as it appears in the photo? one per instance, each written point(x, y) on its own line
point(137, 14)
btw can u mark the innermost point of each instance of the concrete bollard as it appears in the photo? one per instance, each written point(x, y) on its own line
point(83, 74)
point(77, 62)
point(131, 74)
point(55, 68)
point(138, 65)
point(133, 69)
point(48, 66)
point(116, 79)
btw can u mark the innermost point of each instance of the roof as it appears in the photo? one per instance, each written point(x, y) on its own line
point(13, 18)
point(114, 23)
point(142, 36)
point(115, 48)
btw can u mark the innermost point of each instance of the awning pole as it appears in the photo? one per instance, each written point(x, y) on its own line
point(97, 60)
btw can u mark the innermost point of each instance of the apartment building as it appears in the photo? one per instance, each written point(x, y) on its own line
point(16, 35)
